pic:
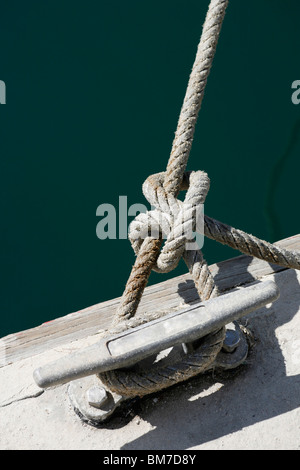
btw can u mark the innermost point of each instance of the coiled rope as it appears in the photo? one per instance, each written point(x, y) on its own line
point(179, 220)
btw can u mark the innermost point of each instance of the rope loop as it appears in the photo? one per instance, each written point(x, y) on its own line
point(171, 219)
point(178, 220)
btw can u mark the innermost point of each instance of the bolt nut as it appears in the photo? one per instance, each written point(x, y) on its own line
point(96, 396)
point(232, 339)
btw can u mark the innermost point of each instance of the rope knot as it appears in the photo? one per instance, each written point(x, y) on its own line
point(171, 219)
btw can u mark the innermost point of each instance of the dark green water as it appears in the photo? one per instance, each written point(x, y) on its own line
point(94, 91)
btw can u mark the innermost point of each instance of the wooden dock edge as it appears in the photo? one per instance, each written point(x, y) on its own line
point(171, 294)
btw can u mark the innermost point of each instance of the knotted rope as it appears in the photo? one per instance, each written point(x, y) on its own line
point(178, 220)
point(163, 191)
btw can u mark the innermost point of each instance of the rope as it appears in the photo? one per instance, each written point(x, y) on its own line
point(157, 377)
point(161, 190)
point(250, 245)
point(149, 249)
point(176, 220)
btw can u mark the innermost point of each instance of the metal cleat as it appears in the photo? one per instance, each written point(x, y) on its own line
point(133, 346)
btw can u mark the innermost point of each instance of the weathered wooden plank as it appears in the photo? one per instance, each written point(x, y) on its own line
point(179, 291)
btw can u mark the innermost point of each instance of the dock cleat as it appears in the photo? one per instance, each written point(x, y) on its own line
point(159, 342)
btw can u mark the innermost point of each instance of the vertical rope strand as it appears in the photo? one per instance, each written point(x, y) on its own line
point(184, 135)
point(179, 154)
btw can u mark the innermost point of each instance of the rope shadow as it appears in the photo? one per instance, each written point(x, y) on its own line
point(256, 391)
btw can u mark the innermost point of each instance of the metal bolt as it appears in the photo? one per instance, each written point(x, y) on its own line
point(96, 396)
point(232, 339)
